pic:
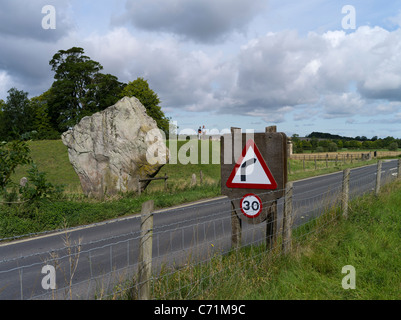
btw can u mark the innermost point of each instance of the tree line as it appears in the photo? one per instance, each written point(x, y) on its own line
point(79, 89)
point(326, 142)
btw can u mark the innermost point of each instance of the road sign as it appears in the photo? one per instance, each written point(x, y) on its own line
point(251, 205)
point(259, 168)
point(251, 170)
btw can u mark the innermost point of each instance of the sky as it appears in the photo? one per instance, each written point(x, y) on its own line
point(304, 66)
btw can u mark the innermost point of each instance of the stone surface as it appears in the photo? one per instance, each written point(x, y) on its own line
point(108, 150)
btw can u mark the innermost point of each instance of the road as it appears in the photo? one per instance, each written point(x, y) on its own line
point(108, 251)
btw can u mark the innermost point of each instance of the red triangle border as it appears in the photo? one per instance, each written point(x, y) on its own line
point(230, 183)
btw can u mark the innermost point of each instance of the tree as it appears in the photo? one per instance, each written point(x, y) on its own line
point(17, 114)
point(139, 89)
point(41, 119)
point(354, 144)
point(3, 130)
point(306, 145)
point(332, 147)
point(79, 89)
point(106, 90)
point(393, 146)
point(70, 96)
point(368, 144)
point(314, 142)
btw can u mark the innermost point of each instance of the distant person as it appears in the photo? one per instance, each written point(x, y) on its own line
point(199, 132)
point(203, 132)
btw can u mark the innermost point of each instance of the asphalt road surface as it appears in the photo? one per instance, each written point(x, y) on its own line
point(89, 260)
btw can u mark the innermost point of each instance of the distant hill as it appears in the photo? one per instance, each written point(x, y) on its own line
point(328, 136)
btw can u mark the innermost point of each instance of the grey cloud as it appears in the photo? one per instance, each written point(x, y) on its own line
point(23, 19)
point(204, 21)
point(26, 48)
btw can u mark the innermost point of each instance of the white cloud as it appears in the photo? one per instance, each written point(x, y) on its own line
point(285, 69)
point(183, 79)
point(5, 84)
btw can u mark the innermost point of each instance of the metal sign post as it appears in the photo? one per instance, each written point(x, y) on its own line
point(253, 176)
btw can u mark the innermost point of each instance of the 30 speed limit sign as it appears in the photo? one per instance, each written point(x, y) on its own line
point(251, 205)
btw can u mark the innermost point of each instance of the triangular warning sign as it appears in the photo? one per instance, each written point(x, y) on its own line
point(251, 170)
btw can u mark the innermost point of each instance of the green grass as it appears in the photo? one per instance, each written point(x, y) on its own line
point(369, 240)
point(298, 172)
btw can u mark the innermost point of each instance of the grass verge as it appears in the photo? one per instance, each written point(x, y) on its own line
point(369, 240)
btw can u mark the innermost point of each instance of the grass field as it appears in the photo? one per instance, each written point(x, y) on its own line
point(51, 156)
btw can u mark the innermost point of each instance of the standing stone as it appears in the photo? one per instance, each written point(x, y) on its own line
point(108, 150)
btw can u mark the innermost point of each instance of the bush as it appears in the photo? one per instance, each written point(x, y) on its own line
point(332, 147)
point(12, 155)
point(393, 146)
point(37, 186)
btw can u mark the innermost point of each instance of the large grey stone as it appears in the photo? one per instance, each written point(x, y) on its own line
point(108, 149)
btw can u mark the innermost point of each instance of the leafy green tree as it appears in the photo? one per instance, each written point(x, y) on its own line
point(354, 144)
point(314, 142)
point(324, 144)
point(17, 114)
point(393, 146)
point(70, 97)
point(306, 145)
point(41, 119)
point(368, 144)
point(79, 88)
point(105, 90)
point(332, 147)
point(387, 141)
point(140, 89)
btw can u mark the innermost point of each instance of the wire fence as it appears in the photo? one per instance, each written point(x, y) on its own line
point(189, 249)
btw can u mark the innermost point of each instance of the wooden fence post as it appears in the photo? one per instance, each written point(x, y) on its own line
point(236, 228)
point(345, 193)
point(271, 225)
point(378, 177)
point(399, 169)
point(145, 251)
point(287, 219)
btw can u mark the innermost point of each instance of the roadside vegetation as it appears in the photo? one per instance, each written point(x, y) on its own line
point(368, 241)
